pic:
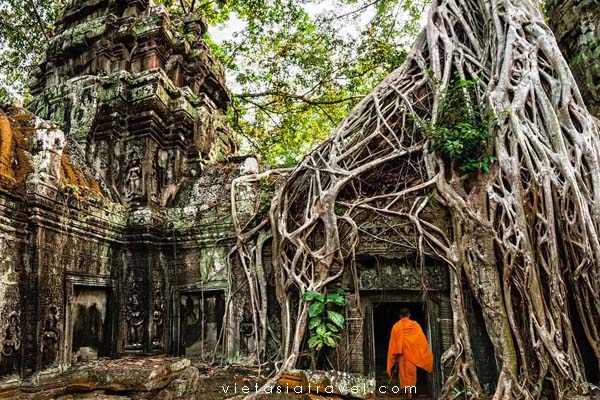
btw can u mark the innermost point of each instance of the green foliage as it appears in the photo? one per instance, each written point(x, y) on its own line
point(6, 98)
point(265, 195)
point(72, 190)
point(325, 320)
point(459, 392)
point(461, 133)
point(296, 74)
point(296, 67)
point(25, 28)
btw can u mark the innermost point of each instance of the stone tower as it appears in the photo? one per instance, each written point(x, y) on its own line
point(115, 216)
point(141, 93)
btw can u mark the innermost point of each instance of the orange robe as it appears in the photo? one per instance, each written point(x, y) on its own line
point(409, 347)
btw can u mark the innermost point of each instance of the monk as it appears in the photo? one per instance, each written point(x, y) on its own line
point(409, 349)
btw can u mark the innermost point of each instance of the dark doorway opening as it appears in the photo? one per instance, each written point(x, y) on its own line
point(201, 319)
point(385, 315)
point(91, 323)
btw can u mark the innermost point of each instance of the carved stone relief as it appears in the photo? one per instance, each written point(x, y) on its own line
point(48, 151)
point(399, 275)
point(135, 312)
point(11, 344)
point(50, 337)
point(102, 159)
point(133, 176)
point(158, 315)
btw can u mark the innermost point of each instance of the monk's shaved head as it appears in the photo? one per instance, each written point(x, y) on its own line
point(404, 312)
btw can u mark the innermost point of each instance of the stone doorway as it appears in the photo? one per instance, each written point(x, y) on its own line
point(90, 323)
point(90, 319)
point(380, 313)
point(385, 315)
point(201, 317)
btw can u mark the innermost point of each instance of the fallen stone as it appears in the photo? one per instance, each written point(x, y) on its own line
point(329, 383)
point(118, 377)
point(185, 387)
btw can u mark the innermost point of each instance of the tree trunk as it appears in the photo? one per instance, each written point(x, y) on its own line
point(524, 234)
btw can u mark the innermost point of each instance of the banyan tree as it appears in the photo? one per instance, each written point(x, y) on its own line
point(484, 122)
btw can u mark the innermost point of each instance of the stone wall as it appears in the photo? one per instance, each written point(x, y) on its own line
point(68, 250)
point(576, 24)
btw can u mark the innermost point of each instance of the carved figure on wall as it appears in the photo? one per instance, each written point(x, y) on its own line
point(117, 158)
point(158, 314)
point(102, 159)
point(11, 343)
point(84, 109)
point(170, 168)
point(247, 334)
point(50, 337)
point(135, 313)
point(49, 149)
point(156, 178)
point(133, 179)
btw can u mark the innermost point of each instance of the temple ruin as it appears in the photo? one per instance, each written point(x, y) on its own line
point(115, 213)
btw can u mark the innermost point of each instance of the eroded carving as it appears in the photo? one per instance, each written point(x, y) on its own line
point(133, 178)
point(48, 151)
point(11, 344)
point(135, 312)
point(158, 314)
point(50, 337)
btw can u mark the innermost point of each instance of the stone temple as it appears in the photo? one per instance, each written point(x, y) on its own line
point(115, 213)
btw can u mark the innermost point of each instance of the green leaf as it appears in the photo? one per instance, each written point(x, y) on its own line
point(337, 318)
point(315, 309)
point(336, 299)
point(321, 329)
point(329, 341)
point(314, 322)
point(309, 295)
point(315, 342)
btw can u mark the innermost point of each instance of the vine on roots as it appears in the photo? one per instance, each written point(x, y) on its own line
point(524, 237)
point(326, 322)
point(461, 134)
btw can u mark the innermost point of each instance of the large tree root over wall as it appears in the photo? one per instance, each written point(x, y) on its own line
point(524, 236)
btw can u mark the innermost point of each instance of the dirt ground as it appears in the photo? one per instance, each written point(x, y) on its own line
point(157, 378)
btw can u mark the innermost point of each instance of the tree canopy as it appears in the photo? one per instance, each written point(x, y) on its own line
point(25, 29)
point(296, 68)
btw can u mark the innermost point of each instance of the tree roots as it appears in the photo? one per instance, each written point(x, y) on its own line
point(524, 236)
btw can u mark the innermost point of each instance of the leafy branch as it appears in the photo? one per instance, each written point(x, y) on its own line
point(461, 133)
point(325, 321)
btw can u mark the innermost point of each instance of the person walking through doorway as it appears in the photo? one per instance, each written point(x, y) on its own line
point(408, 349)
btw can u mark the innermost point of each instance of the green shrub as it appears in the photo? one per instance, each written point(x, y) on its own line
point(325, 320)
point(461, 132)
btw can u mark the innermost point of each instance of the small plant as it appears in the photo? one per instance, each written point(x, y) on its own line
point(325, 320)
point(459, 392)
point(461, 133)
point(72, 190)
point(265, 195)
